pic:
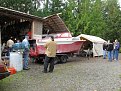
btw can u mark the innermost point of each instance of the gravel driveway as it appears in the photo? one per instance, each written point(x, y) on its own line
point(79, 74)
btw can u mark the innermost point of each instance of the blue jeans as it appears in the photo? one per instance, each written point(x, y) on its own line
point(104, 54)
point(116, 54)
point(113, 54)
point(110, 56)
point(26, 59)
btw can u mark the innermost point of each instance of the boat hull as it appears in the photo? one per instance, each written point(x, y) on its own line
point(62, 48)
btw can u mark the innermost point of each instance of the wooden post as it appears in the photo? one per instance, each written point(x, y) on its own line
point(0, 43)
point(32, 30)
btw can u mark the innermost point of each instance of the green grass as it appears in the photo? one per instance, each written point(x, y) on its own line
point(12, 78)
point(120, 50)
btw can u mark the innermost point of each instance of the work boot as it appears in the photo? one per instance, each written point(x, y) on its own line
point(44, 71)
point(26, 68)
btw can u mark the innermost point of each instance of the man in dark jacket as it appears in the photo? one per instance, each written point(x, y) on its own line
point(104, 50)
point(110, 50)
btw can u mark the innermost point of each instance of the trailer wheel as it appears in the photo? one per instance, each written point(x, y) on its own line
point(63, 59)
point(56, 60)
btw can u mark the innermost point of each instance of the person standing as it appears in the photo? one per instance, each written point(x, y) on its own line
point(110, 50)
point(50, 54)
point(104, 50)
point(116, 49)
point(26, 45)
point(10, 44)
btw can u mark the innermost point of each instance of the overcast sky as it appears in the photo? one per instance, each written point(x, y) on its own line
point(120, 2)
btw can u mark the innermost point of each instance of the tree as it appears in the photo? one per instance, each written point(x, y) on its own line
point(85, 16)
point(50, 7)
point(69, 15)
point(27, 6)
point(113, 20)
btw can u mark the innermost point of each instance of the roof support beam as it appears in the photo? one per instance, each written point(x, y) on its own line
point(15, 17)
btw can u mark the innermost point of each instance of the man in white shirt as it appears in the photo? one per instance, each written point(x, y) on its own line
point(26, 45)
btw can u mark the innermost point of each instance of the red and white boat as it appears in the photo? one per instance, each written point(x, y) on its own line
point(66, 44)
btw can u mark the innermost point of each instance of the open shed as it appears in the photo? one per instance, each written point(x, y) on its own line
point(95, 43)
point(17, 24)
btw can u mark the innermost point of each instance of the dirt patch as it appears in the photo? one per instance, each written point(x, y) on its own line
point(78, 74)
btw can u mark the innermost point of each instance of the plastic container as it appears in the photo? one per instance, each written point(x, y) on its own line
point(16, 60)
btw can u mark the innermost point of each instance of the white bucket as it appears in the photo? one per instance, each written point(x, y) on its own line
point(16, 60)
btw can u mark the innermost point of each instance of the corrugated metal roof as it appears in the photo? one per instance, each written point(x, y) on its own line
point(14, 13)
point(54, 24)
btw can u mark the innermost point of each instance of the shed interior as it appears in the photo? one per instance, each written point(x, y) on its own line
point(13, 26)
